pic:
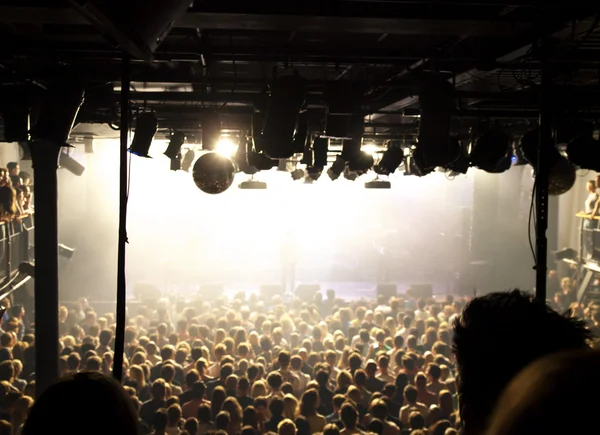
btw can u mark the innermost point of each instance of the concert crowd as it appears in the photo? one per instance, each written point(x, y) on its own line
point(248, 366)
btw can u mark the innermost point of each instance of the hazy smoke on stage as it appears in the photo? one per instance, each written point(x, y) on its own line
point(460, 234)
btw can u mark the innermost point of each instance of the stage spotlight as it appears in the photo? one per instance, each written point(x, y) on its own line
point(314, 173)
point(349, 175)
point(435, 147)
point(460, 165)
point(584, 151)
point(213, 173)
point(188, 159)
point(361, 162)
point(489, 151)
point(565, 254)
point(226, 147)
point(137, 26)
point(65, 251)
point(61, 105)
point(176, 141)
point(145, 129)
point(529, 148)
point(391, 160)
point(27, 268)
point(285, 104)
point(336, 169)
point(65, 161)
point(297, 174)
point(260, 161)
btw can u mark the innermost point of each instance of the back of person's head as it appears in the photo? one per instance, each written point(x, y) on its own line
point(420, 381)
point(546, 397)
point(379, 409)
point(173, 415)
point(160, 420)
point(286, 427)
point(416, 420)
point(434, 371)
point(222, 420)
point(376, 426)
point(191, 426)
point(349, 415)
point(198, 390)
point(495, 337)
point(440, 427)
point(5, 428)
point(331, 429)
point(248, 430)
point(283, 359)
point(159, 389)
point(84, 400)
point(274, 380)
point(360, 377)
point(276, 406)
point(296, 362)
point(410, 393)
point(204, 414)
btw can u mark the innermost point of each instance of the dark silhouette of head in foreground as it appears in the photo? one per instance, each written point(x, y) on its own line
point(498, 335)
point(88, 403)
point(547, 398)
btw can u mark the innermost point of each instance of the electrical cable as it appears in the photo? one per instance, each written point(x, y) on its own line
point(529, 222)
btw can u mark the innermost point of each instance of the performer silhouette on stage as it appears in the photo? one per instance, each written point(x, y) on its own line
point(289, 253)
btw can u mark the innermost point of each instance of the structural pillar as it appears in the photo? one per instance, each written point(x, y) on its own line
point(123, 182)
point(541, 186)
point(45, 163)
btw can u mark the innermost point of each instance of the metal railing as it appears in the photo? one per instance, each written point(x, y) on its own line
point(16, 247)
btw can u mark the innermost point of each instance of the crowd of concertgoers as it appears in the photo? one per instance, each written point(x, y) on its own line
point(15, 193)
point(403, 365)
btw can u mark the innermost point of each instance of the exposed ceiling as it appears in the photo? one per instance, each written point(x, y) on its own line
point(222, 56)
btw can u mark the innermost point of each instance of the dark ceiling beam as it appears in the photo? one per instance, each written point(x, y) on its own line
point(288, 23)
point(394, 26)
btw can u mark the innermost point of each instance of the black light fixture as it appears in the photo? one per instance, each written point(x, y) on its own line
point(435, 147)
point(378, 184)
point(65, 161)
point(491, 151)
point(145, 129)
point(176, 141)
point(285, 105)
point(137, 26)
point(298, 174)
point(391, 159)
point(336, 169)
point(562, 174)
point(565, 254)
point(583, 150)
point(60, 107)
point(213, 173)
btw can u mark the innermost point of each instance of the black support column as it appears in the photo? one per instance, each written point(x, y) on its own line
point(121, 281)
point(541, 186)
point(45, 163)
